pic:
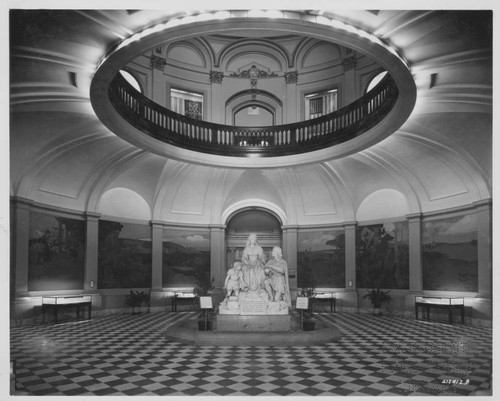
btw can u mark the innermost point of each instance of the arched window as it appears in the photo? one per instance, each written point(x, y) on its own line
point(131, 80)
point(375, 80)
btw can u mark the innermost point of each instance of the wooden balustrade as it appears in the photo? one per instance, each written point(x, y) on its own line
point(278, 140)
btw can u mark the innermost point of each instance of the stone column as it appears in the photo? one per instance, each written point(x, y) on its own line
point(415, 251)
point(20, 210)
point(484, 249)
point(157, 256)
point(291, 111)
point(90, 283)
point(159, 94)
point(218, 255)
point(290, 254)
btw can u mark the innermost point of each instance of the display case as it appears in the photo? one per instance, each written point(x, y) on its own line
point(326, 296)
point(186, 297)
point(449, 303)
point(65, 302)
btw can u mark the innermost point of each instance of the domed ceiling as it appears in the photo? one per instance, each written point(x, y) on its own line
point(62, 155)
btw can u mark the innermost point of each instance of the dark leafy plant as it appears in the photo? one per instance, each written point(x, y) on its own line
point(308, 291)
point(204, 286)
point(377, 297)
point(137, 298)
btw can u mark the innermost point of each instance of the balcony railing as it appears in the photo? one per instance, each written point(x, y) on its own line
point(277, 140)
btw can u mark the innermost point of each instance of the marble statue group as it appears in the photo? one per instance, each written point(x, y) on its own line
point(257, 286)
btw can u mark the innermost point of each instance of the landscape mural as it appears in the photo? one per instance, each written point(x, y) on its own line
point(382, 256)
point(321, 259)
point(184, 253)
point(124, 255)
point(449, 254)
point(56, 259)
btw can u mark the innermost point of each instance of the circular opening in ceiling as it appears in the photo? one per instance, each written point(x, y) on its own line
point(324, 30)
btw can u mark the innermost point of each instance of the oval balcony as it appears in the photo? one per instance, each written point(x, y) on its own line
point(271, 141)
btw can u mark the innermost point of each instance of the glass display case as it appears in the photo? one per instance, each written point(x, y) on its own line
point(59, 302)
point(327, 296)
point(449, 303)
point(179, 297)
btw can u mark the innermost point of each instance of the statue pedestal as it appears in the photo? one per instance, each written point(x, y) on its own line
point(253, 323)
point(252, 303)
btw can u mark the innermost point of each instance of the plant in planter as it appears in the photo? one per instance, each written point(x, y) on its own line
point(204, 286)
point(308, 291)
point(377, 298)
point(135, 299)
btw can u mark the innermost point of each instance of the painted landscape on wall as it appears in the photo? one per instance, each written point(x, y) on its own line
point(449, 254)
point(124, 255)
point(382, 256)
point(56, 259)
point(184, 253)
point(321, 257)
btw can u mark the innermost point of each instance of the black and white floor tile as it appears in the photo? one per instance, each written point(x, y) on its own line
point(128, 354)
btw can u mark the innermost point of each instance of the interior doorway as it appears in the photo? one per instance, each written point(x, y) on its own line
point(242, 223)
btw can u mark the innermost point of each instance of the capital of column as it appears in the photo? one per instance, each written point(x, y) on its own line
point(414, 217)
point(483, 205)
point(216, 77)
point(157, 224)
point(349, 63)
point(22, 203)
point(291, 77)
point(350, 224)
point(92, 216)
point(158, 63)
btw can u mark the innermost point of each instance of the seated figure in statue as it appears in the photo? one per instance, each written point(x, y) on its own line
point(253, 260)
point(276, 282)
point(234, 279)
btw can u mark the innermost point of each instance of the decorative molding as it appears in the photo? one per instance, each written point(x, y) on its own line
point(158, 63)
point(291, 77)
point(216, 77)
point(254, 74)
point(349, 63)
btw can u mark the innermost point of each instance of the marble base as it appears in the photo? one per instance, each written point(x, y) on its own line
point(253, 323)
point(252, 303)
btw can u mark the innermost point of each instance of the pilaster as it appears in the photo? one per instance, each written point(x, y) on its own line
point(90, 274)
point(350, 254)
point(157, 256)
point(415, 251)
point(290, 253)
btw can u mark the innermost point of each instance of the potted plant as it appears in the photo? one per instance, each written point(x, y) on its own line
point(377, 298)
point(308, 291)
point(204, 286)
point(135, 299)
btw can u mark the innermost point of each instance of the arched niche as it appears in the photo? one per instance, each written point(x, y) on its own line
point(258, 98)
point(381, 204)
point(124, 203)
point(240, 224)
point(254, 115)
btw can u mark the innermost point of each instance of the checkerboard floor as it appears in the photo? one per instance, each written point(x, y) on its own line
point(128, 354)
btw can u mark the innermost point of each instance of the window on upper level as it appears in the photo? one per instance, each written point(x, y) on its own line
point(375, 80)
point(321, 103)
point(186, 103)
point(131, 80)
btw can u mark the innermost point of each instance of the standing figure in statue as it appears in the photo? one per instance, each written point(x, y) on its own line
point(233, 280)
point(253, 260)
point(277, 277)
